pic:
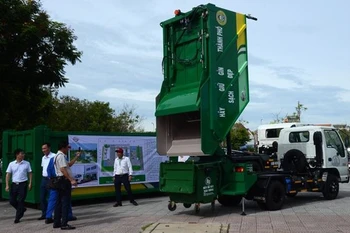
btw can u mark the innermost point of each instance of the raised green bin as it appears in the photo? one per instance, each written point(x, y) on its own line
point(205, 86)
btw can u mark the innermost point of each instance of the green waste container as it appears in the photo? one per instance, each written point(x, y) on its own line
point(190, 182)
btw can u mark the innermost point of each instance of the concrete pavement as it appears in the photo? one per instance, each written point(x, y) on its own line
point(308, 212)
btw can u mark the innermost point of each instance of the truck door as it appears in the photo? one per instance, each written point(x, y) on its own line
point(335, 153)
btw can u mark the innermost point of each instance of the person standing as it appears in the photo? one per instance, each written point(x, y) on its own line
point(122, 174)
point(44, 189)
point(54, 193)
point(65, 176)
point(20, 171)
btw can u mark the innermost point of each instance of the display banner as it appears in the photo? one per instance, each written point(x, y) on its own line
point(96, 162)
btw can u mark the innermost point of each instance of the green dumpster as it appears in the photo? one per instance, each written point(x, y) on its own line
point(190, 182)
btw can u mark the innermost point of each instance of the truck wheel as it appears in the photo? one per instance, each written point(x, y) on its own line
point(291, 194)
point(227, 200)
point(275, 195)
point(187, 205)
point(331, 187)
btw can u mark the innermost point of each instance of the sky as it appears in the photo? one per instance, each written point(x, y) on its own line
point(297, 50)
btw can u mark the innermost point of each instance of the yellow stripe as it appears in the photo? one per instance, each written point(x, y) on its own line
point(292, 191)
point(241, 28)
point(102, 189)
point(297, 182)
point(315, 189)
point(303, 190)
point(309, 181)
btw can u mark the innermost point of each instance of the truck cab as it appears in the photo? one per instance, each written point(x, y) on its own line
point(268, 134)
point(321, 146)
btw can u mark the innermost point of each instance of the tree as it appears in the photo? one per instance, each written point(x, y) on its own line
point(33, 53)
point(296, 116)
point(73, 114)
point(239, 136)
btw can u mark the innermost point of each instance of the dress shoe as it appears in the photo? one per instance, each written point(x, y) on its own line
point(56, 226)
point(134, 203)
point(16, 221)
point(117, 204)
point(73, 218)
point(48, 220)
point(42, 218)
point(67, 227)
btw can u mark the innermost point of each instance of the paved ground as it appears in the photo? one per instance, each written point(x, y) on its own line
point(306, 213)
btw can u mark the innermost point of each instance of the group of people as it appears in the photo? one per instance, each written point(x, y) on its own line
point(59, 200)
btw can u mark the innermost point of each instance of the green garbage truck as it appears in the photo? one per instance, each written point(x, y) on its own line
point(204, 91)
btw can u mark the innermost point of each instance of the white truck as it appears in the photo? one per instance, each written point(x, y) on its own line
point(314, 147)
point(310, 159)
point(268, 136)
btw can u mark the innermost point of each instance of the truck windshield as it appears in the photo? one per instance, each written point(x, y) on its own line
point(333, 140)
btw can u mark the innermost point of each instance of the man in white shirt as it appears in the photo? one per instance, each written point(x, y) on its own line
point(20, 170)
point(65, 175)
point(44, 189)
point(122, 174)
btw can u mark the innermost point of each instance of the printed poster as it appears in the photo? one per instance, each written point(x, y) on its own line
point(96, 163)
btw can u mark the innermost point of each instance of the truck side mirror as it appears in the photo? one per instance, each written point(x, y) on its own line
point(347, 142)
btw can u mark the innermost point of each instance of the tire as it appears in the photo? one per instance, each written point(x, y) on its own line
point(291, 195)
point(187, 205)
point(275, 195)
point(331, 187)
point(295, 161)
point(227, 200)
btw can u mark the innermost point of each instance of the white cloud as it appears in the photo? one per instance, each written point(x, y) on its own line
point(344, 96)
point(76, 85)
point(261, 76)
point(139, 95)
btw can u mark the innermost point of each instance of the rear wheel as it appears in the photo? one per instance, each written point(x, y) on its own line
point(275, 195)
point(331, 187)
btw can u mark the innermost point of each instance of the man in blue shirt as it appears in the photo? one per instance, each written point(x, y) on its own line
point(20, 170)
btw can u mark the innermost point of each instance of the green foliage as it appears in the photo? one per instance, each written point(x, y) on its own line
point(73, 114)
point(239, 136)
point(33, 53)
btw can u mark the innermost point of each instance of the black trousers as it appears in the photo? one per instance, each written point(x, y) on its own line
point(118, 181)
point(62, 203)
point(18, 194)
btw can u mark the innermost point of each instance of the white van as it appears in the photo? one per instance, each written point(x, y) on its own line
point(268, 134)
